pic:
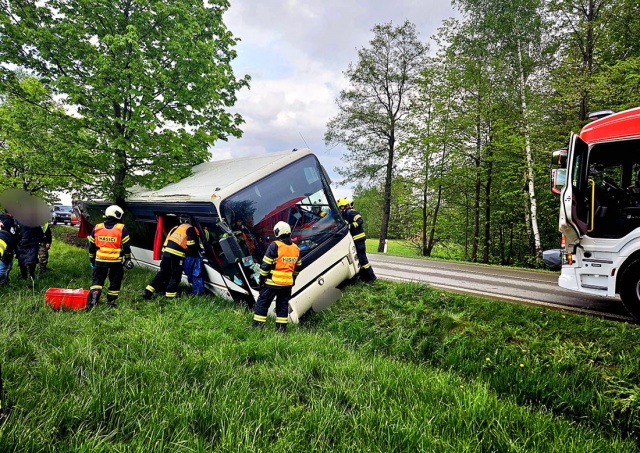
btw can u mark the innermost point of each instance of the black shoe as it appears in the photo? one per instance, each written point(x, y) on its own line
point(112, 304)
point(147, 295)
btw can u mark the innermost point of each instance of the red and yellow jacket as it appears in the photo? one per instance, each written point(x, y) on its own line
point(109, 242)
point(281, 264)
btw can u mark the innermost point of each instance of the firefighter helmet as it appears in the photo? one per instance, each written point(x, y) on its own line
point(343, 202)
point(281, 229)
point(114, 211)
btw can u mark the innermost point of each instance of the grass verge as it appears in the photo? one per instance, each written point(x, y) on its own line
point(389, 368)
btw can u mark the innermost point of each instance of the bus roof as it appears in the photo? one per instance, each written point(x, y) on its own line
point(220, 178)
point(619, 125)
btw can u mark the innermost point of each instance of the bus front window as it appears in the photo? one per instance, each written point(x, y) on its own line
point(299, 195)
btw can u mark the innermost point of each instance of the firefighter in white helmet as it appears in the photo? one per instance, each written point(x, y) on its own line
point(109, 253)
point(281, 265)
point(356, 228)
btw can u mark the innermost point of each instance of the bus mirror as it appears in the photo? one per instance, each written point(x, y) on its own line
point(558, 179)
point(559, 158)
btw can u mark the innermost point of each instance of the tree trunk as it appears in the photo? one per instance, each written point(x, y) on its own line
point(487, 209)
point(529, 158)
point(386, 207)
point(432, 233)
point(424, 221)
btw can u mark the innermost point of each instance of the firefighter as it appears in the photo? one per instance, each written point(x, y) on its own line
point(356, 228)
point(6, 244)
point(109, 254)
point(280, 267)
point(45, 245)
point(181, 241)
point(8, 225)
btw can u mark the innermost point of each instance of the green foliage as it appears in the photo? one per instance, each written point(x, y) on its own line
point(36, 152)
point(151, 81)
point(371, 112)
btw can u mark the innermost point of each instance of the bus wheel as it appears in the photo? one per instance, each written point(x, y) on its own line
point(630, 288)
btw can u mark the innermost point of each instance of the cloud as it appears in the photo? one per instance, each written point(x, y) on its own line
point(295, 52)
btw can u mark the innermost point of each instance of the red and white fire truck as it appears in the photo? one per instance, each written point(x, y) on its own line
point(598, 179)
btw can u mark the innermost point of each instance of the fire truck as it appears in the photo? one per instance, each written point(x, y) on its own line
point(598, 180)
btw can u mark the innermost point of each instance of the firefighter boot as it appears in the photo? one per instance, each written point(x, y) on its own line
point(147, 294)
point(281, 327)
point(258, 325)
point(111, 301)
point(92, 299)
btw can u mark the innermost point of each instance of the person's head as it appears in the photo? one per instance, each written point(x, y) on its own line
point(114, 211)
point(184, 218)
point(282, 230)
point(343, 204)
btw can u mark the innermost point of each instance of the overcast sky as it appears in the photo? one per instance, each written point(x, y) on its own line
point(296, 52)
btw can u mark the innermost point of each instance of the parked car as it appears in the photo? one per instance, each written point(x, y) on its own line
point(61, 214)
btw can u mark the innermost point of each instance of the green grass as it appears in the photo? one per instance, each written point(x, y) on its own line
point(399, 247)
point(391, 367)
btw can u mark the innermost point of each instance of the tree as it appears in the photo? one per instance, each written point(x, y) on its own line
point(516, 28)
point(151, 80)
point(373, 110)
point(36, 155)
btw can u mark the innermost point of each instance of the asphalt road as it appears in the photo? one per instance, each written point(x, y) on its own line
point(513, 285)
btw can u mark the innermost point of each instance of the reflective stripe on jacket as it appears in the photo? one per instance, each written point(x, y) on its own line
point(284, 265)
point(178, 235)
point(109, 242)
point(356, 224)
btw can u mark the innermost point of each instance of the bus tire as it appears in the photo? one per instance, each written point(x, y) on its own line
point(630, 288)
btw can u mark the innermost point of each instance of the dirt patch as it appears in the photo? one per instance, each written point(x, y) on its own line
point(68, 235)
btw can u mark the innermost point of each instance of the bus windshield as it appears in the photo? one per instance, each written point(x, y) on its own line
point(299, 194)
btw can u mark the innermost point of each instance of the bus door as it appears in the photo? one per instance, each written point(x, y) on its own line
point(577, 196)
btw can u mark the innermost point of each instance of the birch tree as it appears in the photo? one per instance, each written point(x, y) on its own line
point(372, 111)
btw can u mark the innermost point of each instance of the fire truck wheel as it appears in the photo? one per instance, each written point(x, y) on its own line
point(630, 288)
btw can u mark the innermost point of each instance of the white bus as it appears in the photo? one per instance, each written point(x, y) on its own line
point(598, 179)
point(234, 204)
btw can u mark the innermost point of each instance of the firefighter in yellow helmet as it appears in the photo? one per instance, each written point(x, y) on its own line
point(109, 253)
point(182, 241)
point(354, 219)
point(280, 267)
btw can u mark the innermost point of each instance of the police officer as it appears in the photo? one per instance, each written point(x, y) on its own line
point(280, 267)
point(109, 253)
point(354, 219)
point(181, 241)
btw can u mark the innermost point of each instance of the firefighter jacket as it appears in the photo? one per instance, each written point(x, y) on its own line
point(109, 242)
point(356, 224)
point(281, 264)
point(182, 241)
point(6, 242)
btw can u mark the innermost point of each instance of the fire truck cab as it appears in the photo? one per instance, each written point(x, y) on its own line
point(598, 179)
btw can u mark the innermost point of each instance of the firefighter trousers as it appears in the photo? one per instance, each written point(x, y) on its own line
point(168, 277)
point(115, 273)
point(366, 271)
point(282, 295)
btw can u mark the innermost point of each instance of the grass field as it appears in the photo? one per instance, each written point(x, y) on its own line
point(399, 247)
point(391, 367)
